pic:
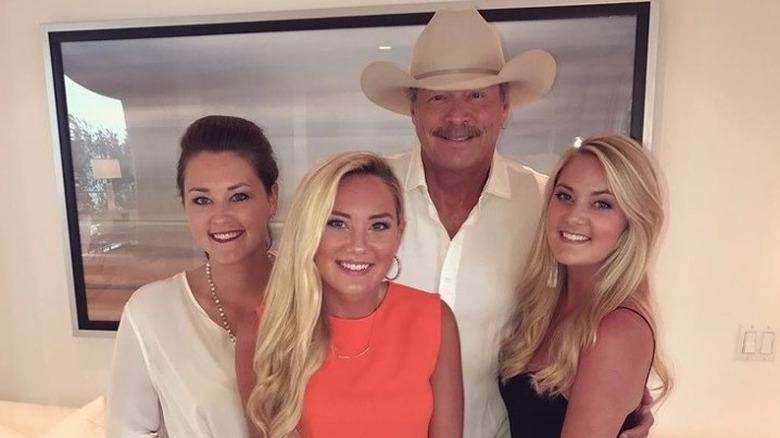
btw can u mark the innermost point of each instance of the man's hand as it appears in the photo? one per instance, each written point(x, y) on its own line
point(646, 418)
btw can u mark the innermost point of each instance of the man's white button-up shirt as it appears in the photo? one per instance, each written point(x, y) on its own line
point(476, 272)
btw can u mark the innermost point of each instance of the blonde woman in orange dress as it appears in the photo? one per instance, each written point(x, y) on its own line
point(342, 351)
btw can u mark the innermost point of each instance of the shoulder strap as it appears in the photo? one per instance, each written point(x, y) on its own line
point(651, 332)
point(641, 316)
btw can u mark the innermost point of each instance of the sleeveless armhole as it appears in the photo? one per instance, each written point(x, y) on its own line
point(652, 334)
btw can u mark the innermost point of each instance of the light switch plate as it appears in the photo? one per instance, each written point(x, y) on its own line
point(756, 342)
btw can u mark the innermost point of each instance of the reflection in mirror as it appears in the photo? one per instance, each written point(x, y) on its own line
point(120, 249)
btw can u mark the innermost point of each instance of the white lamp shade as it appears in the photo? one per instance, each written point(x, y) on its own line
point(106, 168)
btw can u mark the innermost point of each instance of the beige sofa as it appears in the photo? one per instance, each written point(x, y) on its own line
point(25, 420)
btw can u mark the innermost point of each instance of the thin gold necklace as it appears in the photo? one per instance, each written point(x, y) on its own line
point(362, 352)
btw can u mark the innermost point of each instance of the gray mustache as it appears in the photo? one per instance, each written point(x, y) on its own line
point(456, 131)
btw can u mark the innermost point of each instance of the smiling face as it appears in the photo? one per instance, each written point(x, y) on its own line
point(459, 129)
point(227, 206)
point(583, 221)
point(359, 240)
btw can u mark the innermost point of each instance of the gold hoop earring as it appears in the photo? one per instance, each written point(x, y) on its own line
point(397, 272)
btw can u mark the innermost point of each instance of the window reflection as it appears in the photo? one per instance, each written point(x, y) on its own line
point(121, 248)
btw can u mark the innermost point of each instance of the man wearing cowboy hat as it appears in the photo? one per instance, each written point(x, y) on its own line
point(470, 212)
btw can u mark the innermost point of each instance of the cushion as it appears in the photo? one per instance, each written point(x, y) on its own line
point(87, 422)
point(31, 419)
point(8, 433)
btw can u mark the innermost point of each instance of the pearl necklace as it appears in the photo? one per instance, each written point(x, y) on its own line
point(218, 303)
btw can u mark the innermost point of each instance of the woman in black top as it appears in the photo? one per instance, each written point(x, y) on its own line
point(581, 343)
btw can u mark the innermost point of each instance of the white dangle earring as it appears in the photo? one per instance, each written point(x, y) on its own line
point(552, 276)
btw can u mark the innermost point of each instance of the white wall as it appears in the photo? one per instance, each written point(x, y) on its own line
point(716, 112)
point(716, 121)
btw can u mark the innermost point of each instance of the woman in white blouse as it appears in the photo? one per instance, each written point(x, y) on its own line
point(173, 368)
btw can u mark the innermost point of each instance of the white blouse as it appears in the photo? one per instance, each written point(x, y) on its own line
point(173, 370)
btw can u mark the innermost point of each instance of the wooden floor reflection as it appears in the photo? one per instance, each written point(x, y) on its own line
point(111, 280)
point(121, 256)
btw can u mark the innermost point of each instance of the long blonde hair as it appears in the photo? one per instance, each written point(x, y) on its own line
point(633, 180)
point(293, 335)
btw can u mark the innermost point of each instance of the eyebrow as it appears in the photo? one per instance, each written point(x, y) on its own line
point(372, 217)
point(596, 193)
point(205, 190)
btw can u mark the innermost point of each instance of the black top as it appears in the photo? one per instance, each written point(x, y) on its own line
point(538, 416)
point(535, 416)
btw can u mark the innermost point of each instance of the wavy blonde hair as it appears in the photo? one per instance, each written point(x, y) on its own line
point(633, 180)
point(293, 335)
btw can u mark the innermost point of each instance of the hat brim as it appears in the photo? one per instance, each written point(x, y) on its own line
point(530, 76)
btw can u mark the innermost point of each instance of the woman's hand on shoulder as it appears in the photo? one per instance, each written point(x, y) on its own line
point(611, 376)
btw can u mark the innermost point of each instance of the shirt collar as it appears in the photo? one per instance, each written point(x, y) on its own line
point(497, 183)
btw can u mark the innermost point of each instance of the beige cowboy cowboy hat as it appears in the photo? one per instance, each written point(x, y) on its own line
point(458, 50)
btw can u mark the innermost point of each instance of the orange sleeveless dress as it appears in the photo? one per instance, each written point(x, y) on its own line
point(375, 381)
